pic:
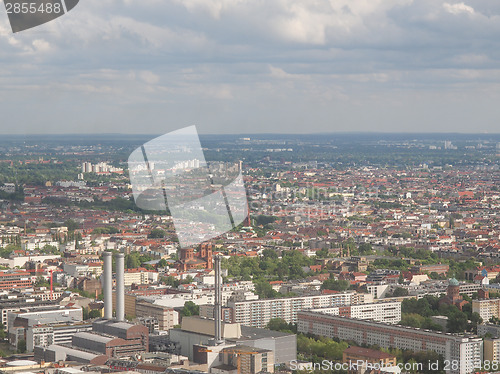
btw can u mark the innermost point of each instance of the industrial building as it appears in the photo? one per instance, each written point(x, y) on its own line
point(109, 337)
point(53, 333)
point(244, 359)
point(15, 302)
point(20, 323)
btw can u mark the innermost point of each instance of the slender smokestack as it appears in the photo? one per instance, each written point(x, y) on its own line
point(107, 285)
point(120, 287)
point(218, 302)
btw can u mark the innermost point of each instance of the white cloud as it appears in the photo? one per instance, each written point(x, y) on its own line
point(458, 8)
point(149, 77)
point(41, 45)
point(280, 56)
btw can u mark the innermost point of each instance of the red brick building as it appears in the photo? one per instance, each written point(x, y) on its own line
point(202, 259)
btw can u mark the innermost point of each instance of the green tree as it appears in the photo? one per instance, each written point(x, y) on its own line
point(8, 250)
point(475, 319)
point(265, 290)
point(3, 334)
point(162, 263)
point(171, 281)
point(400, 291)
point(457, 321)
point(264, 220)
point(71, 225)
point(279, 324)
point(269, 254)
point(41, 282)
point(190, 309)
point(335, 285)
point(21, 346)
point(365, 248)
point(50, 249)
point(133, 260)
point(320, 347)
point(157, 234)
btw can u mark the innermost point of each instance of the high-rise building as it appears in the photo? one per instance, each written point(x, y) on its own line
point(86, 167)
point(389, 312)
point(487, 308)
point(492, 350)
point(258, 313)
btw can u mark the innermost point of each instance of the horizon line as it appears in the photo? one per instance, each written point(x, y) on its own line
point(259, 133)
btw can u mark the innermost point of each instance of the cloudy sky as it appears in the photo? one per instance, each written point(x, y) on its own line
point(250, 66)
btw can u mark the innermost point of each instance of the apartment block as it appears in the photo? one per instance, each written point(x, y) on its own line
point(466, 351)
point(135, 276)
point(492, 329)
point(208, 311)
point(15, 279)
point(167, 317)
point(487, 308)
point(491, 350)
point(389, 312)
point(257, 313)
point(469, 288)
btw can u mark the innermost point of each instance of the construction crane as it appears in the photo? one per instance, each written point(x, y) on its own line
point(233, 351)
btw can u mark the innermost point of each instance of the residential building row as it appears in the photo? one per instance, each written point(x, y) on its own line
point(465, 351)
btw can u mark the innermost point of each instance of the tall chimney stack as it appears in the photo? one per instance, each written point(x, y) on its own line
point(120, 287)
point(218, 303)
point(107, 285)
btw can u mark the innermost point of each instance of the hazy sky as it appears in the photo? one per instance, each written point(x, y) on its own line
point(247, 66)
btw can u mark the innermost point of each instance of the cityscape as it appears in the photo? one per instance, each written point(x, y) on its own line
point(249, 187)
point(358, 253)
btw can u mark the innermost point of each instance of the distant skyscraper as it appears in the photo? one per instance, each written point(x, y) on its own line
point(448, 145)
point(86, 167)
